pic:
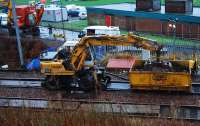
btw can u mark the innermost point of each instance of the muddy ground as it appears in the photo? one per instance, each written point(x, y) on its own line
point(31, 48)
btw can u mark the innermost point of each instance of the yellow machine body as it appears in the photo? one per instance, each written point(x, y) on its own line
point(54, 68)
point(145, 80)
point(162, 80)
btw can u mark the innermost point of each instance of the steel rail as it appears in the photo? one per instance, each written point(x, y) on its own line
point(114, 86)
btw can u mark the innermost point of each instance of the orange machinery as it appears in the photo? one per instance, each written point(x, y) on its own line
point(28, 18)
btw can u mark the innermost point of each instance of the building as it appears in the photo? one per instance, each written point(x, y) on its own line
point(126, 17)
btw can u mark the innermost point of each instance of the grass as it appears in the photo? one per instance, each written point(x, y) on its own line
point(75, 25)
point(166, 40)
point(34, 117)
point(95, 2)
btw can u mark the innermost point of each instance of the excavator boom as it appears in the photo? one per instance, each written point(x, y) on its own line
point(130, 40)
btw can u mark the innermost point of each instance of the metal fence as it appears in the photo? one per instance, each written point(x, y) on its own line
point(168, 52)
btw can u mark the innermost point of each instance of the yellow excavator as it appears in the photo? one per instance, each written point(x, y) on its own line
point(70, 70)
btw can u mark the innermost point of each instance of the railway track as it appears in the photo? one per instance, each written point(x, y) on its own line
point(22, 82)
point(29, 88)
point(36, 83)
point(118, 99)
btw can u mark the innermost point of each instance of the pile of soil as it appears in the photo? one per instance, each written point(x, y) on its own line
point(31, 48)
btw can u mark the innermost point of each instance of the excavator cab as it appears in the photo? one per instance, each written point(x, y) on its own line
point(61, 74)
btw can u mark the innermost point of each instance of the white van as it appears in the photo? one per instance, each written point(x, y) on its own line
point(68, 44)
point(100, 30)
point(3, 19)
point(82, 15)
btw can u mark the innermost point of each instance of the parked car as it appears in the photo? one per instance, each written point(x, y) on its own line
point(76, 11)
point(73, 13)
point(3, 19)
point(82, 12)
point(82, 15)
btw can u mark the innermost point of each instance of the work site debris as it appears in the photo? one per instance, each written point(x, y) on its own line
point(9, 53)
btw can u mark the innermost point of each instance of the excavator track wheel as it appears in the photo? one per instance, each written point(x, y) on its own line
point(52, 83)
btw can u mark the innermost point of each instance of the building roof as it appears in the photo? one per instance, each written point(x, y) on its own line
point(120, 63)
point(128, 9)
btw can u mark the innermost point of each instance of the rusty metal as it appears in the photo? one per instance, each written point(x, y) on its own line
point(122, 63)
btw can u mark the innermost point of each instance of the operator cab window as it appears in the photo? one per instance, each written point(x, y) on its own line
point(90, 32)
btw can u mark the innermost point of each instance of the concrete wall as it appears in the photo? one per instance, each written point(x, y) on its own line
point(148, 25)
point(96, 19)
point(183, 29)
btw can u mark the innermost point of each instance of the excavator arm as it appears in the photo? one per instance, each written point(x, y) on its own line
point(9, 11)
point(80, 51)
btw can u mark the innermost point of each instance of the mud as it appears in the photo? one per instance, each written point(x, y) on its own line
point(31, 48)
